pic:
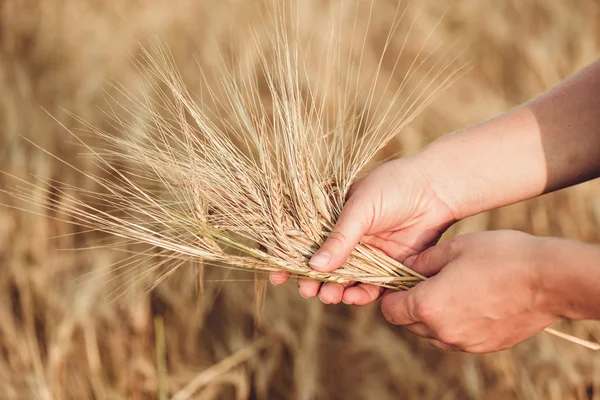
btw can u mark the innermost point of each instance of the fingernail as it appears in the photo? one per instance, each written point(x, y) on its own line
point(319, 260)
point(410, 260)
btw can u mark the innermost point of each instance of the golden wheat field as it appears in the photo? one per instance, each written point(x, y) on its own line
point(85, 317)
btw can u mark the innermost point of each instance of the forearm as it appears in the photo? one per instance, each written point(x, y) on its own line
point(544, 145)
point(569, 279)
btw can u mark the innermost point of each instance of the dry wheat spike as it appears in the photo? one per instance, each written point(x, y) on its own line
point(252, 174)
point(252, 181)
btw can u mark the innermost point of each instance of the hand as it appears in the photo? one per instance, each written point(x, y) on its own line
point(484, 295)
point(394, 208)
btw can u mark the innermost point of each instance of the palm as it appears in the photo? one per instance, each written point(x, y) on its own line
point(411, 236)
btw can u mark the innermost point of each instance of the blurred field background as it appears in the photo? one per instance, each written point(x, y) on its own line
point(64, 336)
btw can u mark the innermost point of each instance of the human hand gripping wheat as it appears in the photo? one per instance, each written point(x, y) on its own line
point(255, 179)
point(394, 209)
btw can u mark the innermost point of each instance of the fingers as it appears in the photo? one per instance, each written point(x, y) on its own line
point(407, 308)
point(351, 226)
point(279, 277)
point(434, 259)
point(361, 294)
point(334, 293)
point(399, 308)
point(331, 293)
point(308, 288)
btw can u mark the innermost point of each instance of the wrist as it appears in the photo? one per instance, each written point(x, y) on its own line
point(543, 275)
point(450, 185)
point(490, 165)
point(567, 278)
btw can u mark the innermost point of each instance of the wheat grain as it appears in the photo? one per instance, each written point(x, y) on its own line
point(225, 181)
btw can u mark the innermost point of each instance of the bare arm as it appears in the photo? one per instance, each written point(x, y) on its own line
point(489, 291)
point(404, 206)
point(569, 279)
point(544, 145)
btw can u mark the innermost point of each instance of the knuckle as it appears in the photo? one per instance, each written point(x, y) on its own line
point(422, 310)
point(338, 239)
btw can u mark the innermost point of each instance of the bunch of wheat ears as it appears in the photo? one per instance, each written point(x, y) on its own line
point(253, 182)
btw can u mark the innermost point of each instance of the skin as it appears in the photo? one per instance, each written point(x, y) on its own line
point(404, 206)
point(371, 214)
point(506, 287)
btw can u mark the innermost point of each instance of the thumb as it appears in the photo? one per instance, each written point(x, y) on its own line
point(434, 259)
point(349, 229)
point(399, 308)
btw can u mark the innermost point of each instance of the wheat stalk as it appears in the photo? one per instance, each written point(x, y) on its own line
point(227, 181)
point(251, 180)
